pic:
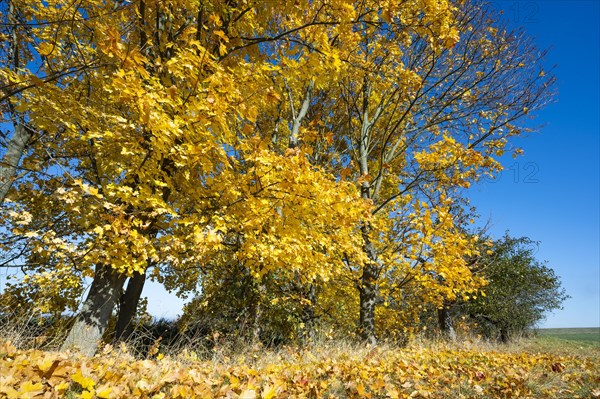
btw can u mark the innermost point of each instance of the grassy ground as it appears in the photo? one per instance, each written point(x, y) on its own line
point(582, 335)
point(581, 342)
point(557, 346)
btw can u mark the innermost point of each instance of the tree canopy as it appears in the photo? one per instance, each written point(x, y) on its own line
point(314, 148)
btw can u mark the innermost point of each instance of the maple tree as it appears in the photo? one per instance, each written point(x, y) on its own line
point(317, 146)
point(412, 120)
point(416, 138)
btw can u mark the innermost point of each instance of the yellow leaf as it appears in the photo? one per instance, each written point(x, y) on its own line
point(222, 35)
point(45, 364)
point(62, 387)
point(86, 395)
point(222, 49)
point(181, 391)
point(234, 381)
point(45, 49)
point(172, 92)
point(269, 392)
point(360, 389)
point(86, 383)
point(104, 392)
point(28, 389)
point(393, 393)
point(11, 393)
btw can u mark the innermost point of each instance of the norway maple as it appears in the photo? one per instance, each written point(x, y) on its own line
point(306, 141)
point(412, 120)
point(420, 122)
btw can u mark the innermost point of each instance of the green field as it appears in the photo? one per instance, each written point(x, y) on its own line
point(587, 335)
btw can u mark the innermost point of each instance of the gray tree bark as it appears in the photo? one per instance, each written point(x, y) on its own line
point(367, 287)
point(299, 116)
point(307, 333)
point(445, 323)
point(128, 303)
point(368, 293)
point(258, 314)
point(21, 135)
point(10, 160)
point(97, 308)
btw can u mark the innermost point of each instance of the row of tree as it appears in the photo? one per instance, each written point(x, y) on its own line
point(518, 291)
point(311, 154)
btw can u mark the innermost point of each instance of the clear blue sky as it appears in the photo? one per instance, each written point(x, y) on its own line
point(554, 198)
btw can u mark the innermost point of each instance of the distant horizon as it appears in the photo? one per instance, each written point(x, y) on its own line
point(555, 328)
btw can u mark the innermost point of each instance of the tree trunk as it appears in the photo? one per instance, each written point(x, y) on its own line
point(368, 292)
point(504, 335)
point(258, 313)
point(128, 304)
point(10, 161)
point(368, 285)
point(368, 297)
point(97, 308)
point(445, 323)
point(21, 136)
point(308, 314)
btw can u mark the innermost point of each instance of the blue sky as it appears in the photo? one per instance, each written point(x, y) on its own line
point(554, 196)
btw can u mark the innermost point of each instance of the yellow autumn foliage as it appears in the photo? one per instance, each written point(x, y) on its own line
point(310, 144)
point(429, 372)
